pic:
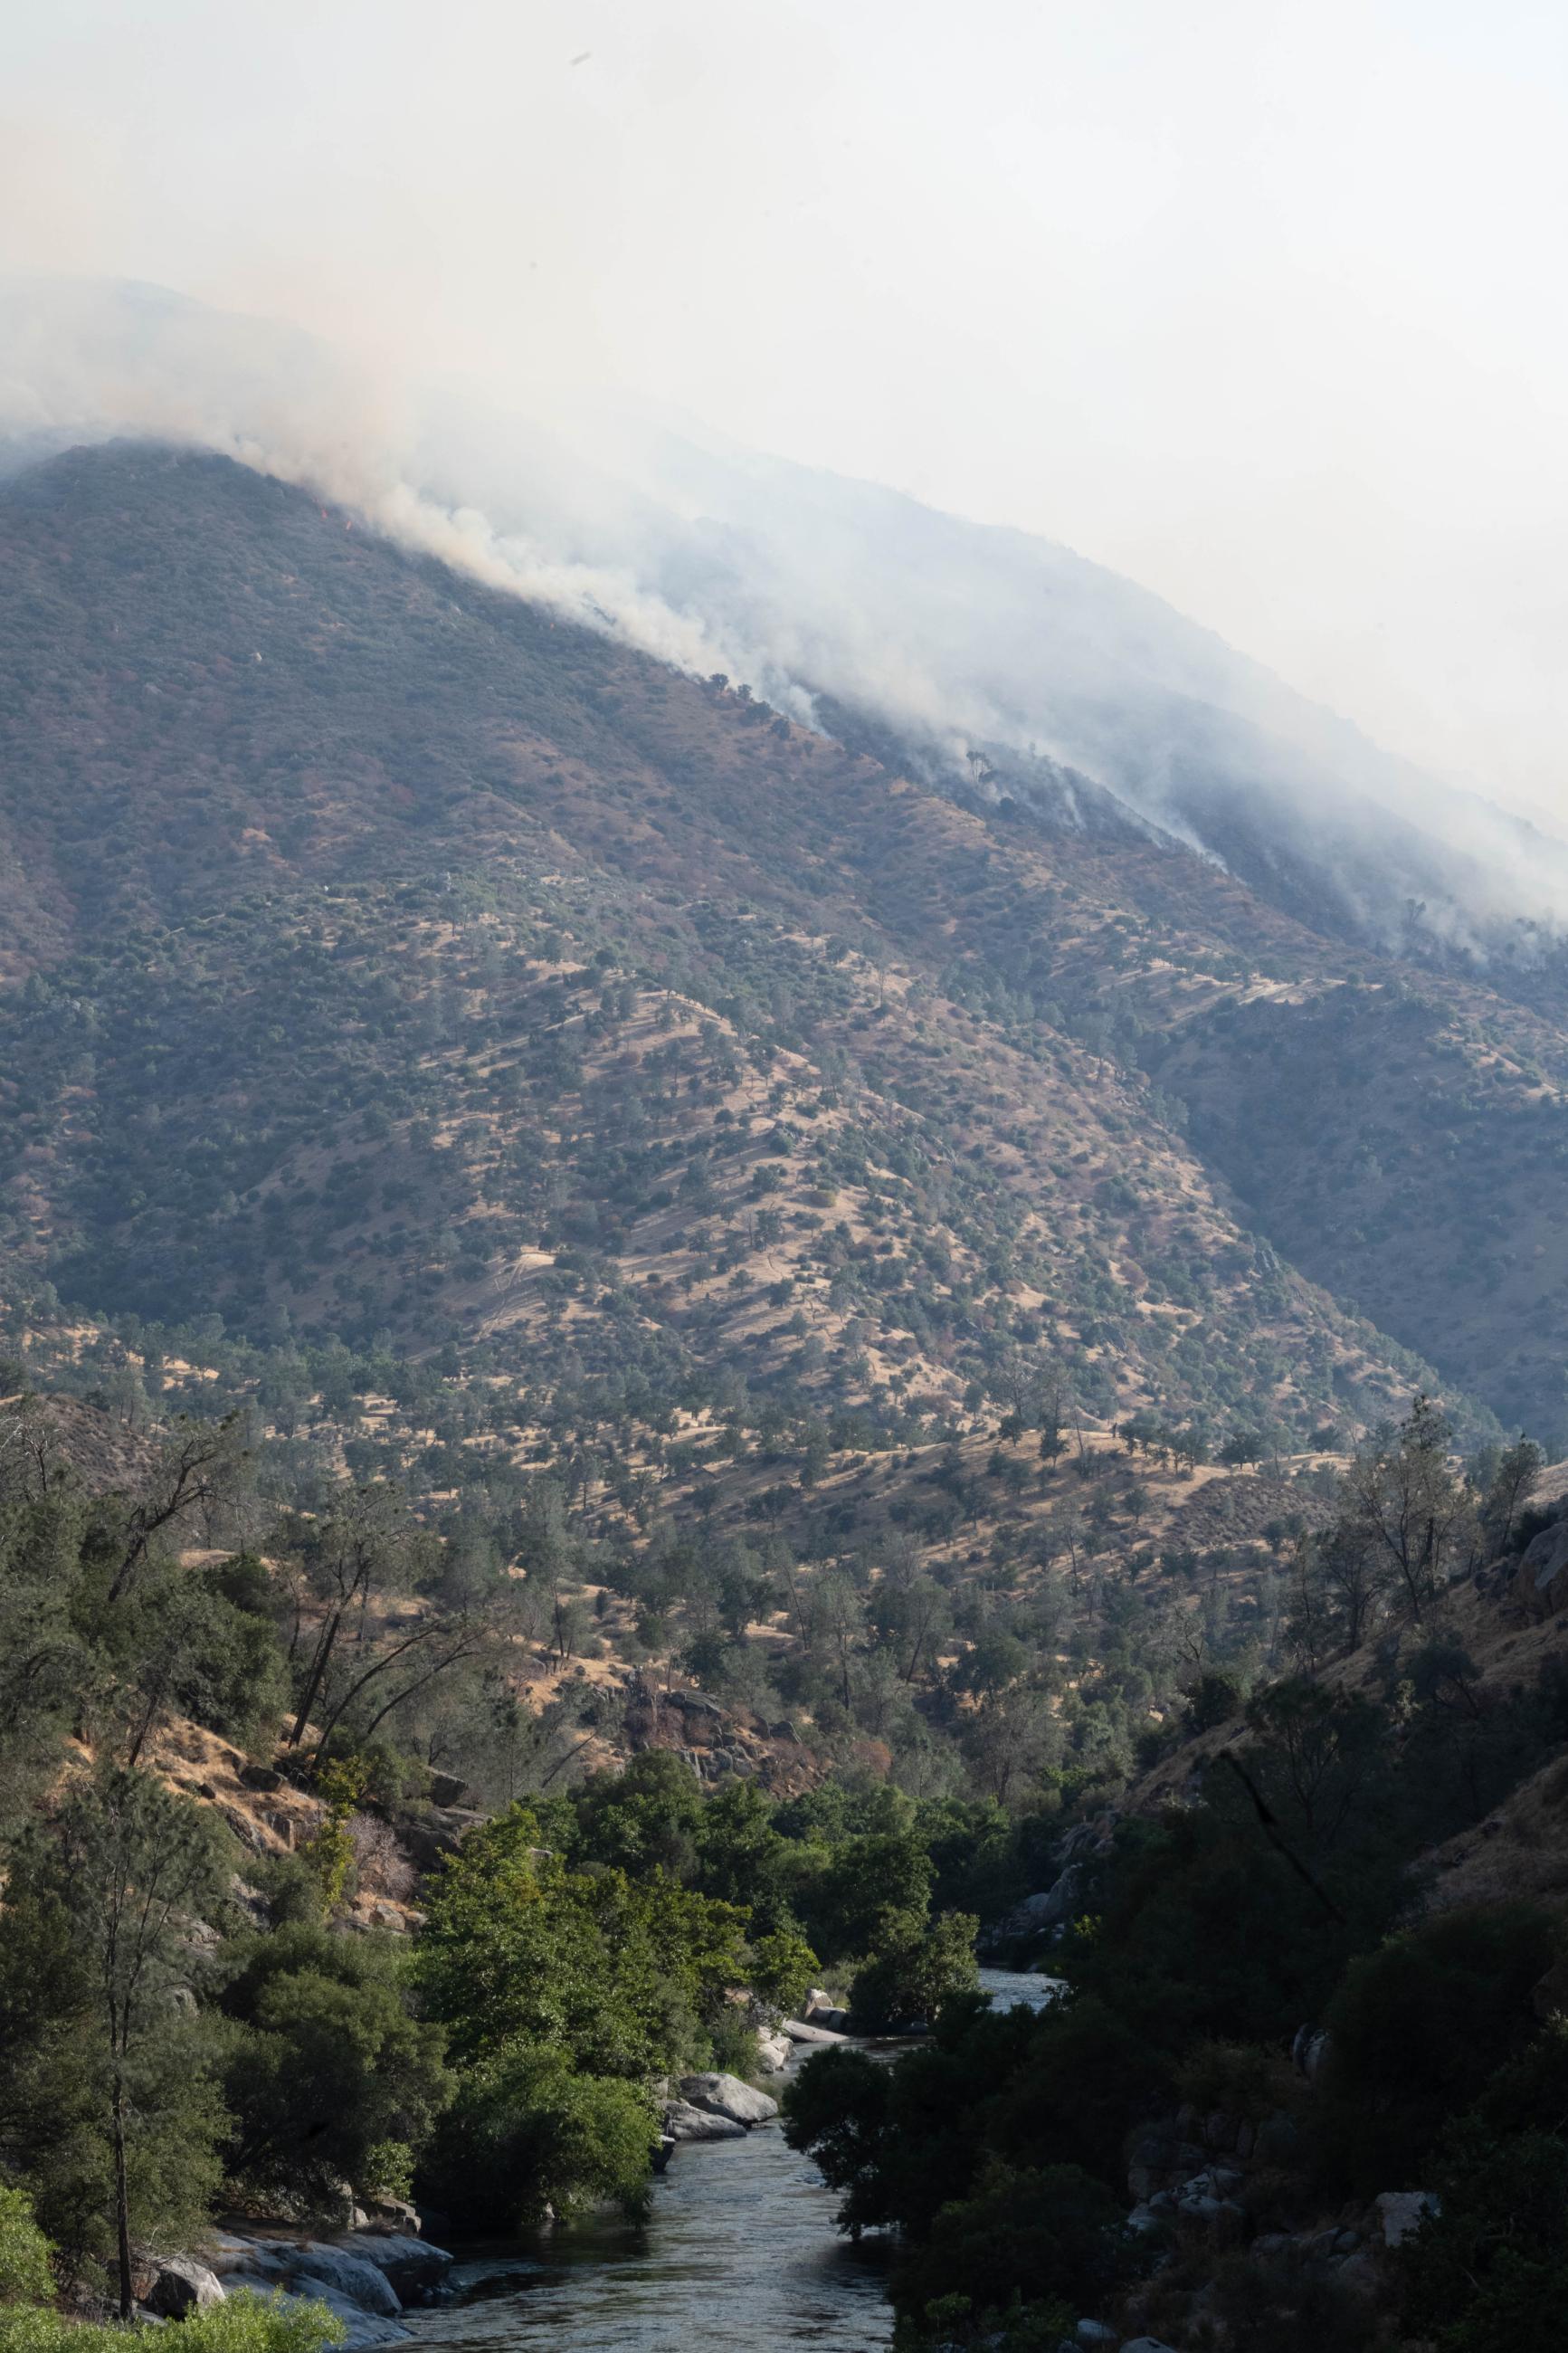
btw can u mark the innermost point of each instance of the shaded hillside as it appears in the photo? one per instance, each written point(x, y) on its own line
point(1413, 1162)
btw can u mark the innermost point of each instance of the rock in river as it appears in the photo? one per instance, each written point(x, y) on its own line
point(684, 2121)
point(726, 2095)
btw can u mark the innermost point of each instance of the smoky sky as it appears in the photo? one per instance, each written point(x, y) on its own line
point(1256, 303)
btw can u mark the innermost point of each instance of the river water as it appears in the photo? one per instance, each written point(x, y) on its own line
point(738, 2252)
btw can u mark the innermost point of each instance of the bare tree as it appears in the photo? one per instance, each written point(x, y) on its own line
point(196, 1468)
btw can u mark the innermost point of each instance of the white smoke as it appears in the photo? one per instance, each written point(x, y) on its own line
point(802, 585)
point(98, 361)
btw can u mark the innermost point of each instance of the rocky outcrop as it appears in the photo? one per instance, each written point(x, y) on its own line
point(413, 2268)
point(1401, 2212)
point(1046, 1913)
point(717, 1741)
point(1311, 2051)
point(366, 2279)
point(1540, 1581)
point(181, 2285)
point(726, 2095)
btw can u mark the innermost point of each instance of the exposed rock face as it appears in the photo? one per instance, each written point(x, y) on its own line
point(412, 2269)
point(1161, 2161)
point(346, 2279)
point(726, 2095)
point(181, 2285)
point(366, 2281)
point(1402, 2212)
point(1051, 1907)
point(1540, 1582)
point(1311, 2051)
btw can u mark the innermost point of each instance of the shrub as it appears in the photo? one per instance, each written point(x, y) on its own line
point(1488, 2272)
point(783, 1969)
point(243, 2322)
point(525, 2132)
point(1418, 2028)
point(1052, 2236)
point(915, 1971)
point(25, 2274)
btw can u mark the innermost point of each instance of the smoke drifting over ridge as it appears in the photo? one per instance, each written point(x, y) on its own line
point(978, 647)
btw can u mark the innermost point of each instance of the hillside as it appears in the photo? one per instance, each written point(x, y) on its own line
point(408, 962)
point(650, 1362)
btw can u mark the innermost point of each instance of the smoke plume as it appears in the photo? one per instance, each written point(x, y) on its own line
point(996, 661)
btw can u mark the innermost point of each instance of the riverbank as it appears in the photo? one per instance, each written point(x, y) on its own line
point(738, 2251)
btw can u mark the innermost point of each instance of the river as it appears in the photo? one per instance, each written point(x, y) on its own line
point(738, 2251)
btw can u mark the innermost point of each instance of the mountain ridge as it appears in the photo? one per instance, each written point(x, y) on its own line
point(403, 724)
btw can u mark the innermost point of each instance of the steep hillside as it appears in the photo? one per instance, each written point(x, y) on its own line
point(1412, 1163)
point(408, 962)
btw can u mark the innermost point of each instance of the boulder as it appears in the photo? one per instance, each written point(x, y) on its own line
point(1097, 2337)
point(684, 2121)
point(227, 2252)
point(395, 2217)
point(726, 2095)
point(310, 2271)
point(1311, 2051)
point(1360, 2273)
point(181, 2285)
point(445, 1790)
point(347, 2274)
point(772, 2052)
point(799, 2031)
point(691, 1702)
point(1049, 1908)
point(1402, 2212)
point(412, 2268)
point(1160, 2159)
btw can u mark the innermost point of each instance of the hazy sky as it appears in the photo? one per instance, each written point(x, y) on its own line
point(1259, 301)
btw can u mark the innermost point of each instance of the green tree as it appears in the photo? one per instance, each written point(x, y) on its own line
point(132, 1866)
point(526, 2131)
point(326, 2066)
point(915, 1970)
point(1406, 1504)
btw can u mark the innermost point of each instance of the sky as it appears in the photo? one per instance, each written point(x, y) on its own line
point(1258, 301)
